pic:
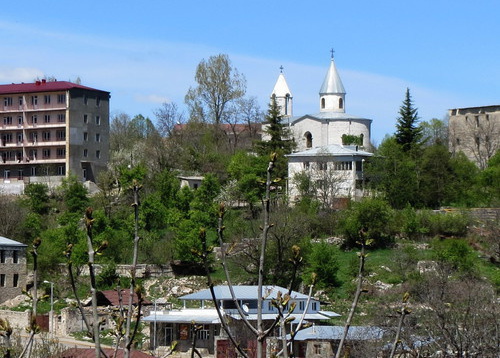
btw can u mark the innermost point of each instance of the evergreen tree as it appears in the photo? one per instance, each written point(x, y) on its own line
point(279, 139)
point(408, 134)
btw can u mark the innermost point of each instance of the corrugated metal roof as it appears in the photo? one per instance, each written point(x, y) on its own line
point(332, 150)
point(319, 316)
point(42, 86)
point(332, 83)
point(188, 315)
point(335, 333)
point(8, 242)
point(241, 292)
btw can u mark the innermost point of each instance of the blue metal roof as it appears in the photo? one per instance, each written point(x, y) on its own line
point(332, 150)
point(336, 332)
point(242, 293)
point(8, 242)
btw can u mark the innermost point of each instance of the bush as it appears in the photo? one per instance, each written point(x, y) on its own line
point(323, 260)
point(373, 217)
point(443, 224)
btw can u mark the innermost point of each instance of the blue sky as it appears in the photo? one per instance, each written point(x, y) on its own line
point(145, 53)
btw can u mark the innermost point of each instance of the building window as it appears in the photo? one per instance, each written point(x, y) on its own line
point(46, 118)
point(61, 135)
point(305, 165)
point(98, 120)
point(34, 100)
point(203, 333)
point(2, 280)
point(61, 117)
point(97, 137)
point(15, 257)
point(61, 170)
point(20, 100)
point(2, 256)
point(61, 98)
point(309, 139)
point(7, 101)
point(458, 141)
point(477, 121)
point(302, 306)
point(477, 142)
point(33, 137)
point(85, 118)
point(47, 98)
point(7, 138)
point(61, 152)
point(15, 280)
point(46, 136)
point(33, 171)
point(34, 119)
point(322, 103)
point(85, 99)
point(46, 153)
point(98, 101)
point(20, 120)
point(314, 306)
point(98, 154)
point(85, 153)
point(85, 136)
point(341, 103)
point(7, 120)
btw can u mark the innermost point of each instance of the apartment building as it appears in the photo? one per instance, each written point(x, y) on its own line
point(49, 129)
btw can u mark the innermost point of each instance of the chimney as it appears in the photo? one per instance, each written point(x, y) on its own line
point(44, 81)
point(38, 83)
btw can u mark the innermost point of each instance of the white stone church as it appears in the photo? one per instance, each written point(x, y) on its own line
point(332, 145)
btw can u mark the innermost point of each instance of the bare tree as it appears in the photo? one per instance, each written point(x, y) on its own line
point(167, 117)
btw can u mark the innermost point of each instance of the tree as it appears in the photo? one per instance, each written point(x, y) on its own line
point(277, 139)
point(167, 117)
point(435, 131)
point(218, 85)
point(408, 134)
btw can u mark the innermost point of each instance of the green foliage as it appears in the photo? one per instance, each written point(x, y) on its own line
point(323, 261)
point(107, 278)
point(456, 253)
point(249, 171)
point(351, 139)
point(444, 223)
point(373, 218)
point(279, 139)
point(37, 197)
point(490, 180)
point(74, 195)
point(408, 134)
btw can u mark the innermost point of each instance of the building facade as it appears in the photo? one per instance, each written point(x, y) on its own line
point(49, 129)
point(12, 268)
point(475, 131)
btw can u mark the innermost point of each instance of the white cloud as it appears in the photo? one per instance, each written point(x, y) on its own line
point(152, 98)
point(19, 74)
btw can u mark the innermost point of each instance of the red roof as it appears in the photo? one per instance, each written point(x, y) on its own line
point(42, 86)
point(90, 353)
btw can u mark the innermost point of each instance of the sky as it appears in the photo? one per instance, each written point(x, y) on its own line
point(146, 52)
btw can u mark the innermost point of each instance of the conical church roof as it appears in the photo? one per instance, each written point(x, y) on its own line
point(332, 83)
point(281, 87)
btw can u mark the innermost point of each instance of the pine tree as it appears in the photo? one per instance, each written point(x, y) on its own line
point(408, 133)
point(279, 138)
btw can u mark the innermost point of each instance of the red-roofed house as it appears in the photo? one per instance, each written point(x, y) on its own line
point(51, 128)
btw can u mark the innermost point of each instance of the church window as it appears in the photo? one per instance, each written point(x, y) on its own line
point(341, 103)
point(309, 139)
point(322, 103)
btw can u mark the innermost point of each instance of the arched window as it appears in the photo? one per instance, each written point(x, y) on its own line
point(341, 103)
point(322, 103)
point(309, 139)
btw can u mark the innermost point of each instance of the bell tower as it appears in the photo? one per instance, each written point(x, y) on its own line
point(332, 92)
